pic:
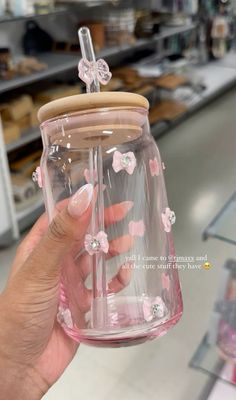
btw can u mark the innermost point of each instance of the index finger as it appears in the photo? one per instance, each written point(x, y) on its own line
point(113, 214)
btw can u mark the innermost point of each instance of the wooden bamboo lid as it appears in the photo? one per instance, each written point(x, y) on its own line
point(90, 101)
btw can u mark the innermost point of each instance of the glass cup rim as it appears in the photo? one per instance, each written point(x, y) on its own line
point(67, 115)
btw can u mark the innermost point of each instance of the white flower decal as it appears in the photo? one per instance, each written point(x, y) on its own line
point(126, 161)
point(168, 219)
point(96, 244)
point(154, 308)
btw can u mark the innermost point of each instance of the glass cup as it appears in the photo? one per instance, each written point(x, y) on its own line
point(121, 287)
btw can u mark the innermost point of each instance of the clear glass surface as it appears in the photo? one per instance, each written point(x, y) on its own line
point(133, 293)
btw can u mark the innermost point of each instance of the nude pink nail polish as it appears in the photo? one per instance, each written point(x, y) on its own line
point(80, 201)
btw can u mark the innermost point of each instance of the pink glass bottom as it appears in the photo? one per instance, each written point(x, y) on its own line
point(125, 327)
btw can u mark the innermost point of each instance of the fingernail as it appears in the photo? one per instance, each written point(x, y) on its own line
point(80, 201)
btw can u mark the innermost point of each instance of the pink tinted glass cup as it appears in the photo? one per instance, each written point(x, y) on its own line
point(122, 286)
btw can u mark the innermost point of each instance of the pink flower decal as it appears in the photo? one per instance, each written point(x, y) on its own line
point(153, 308)
point(64, 317)
point(154, 167)
point(168, 219)
point(37, 177)
point(126, 161)
point(137, 228)
point(96, 244)
point(165, 281)
point(89, 70)
point(90, 177)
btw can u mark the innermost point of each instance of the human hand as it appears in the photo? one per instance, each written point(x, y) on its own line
point(34, 350)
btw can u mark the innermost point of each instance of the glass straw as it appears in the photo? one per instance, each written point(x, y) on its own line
point(88, 54)
point(99, 280)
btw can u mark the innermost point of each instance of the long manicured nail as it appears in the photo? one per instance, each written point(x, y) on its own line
point(81, 200)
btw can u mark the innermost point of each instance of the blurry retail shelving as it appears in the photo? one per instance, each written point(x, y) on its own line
point(7, 18)
point(216, 354)
point(25, 216)
point(223, 225)
point(62, 62)
point(29, 136)
point(208, 360)
point(221, 391)
point(56, 64)
point(141, 43)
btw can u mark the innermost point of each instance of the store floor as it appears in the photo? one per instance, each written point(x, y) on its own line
point(200, 174)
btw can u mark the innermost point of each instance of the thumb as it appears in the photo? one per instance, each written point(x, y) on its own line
point(67, 228)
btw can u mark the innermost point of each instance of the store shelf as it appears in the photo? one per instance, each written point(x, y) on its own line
point(172, 31)
point(159, 128)
point(216, 389)
point(28, 137)
point(29, 215)
point(13, 18)
point(61, 62)
point(219, 78)
point(223, 226)
point(85, 3)
point(221, 390)
point(142, 43)
point(56, 62)
point(208, 360)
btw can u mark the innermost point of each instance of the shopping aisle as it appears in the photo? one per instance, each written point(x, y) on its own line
point(200, 174)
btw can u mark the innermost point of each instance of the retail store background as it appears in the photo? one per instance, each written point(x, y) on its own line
point(200, 163)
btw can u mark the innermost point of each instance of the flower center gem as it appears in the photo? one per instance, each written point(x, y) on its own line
point(126, 161)
point(95, 245)
point(155, 309)
point(172, 218)
point(158, 310)
point(35, 176)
